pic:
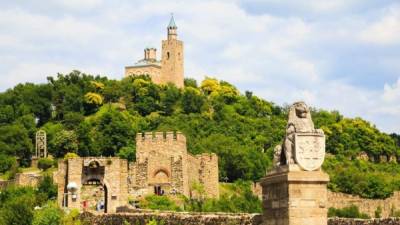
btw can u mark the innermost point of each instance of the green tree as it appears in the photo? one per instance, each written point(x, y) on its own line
point(65, 141)
point(45, 163)
point(46, 186)
point(50, 214)
point(14, 140)
point(113, 133)
point(192, 100)
point(128, 152)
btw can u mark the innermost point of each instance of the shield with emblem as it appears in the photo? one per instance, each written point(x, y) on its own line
point(309, 150)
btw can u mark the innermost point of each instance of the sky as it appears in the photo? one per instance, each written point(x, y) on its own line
point(337, 55)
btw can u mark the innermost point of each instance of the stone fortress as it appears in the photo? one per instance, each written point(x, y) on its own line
point(163, 167)
point(167, 70)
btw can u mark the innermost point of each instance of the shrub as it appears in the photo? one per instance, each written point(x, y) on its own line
point(46, 186)
point(45, 163)
point(17, 211)
point(347, 212)
point(70, 155)
point(50, 214)
point(158, 202)
point(378, 212)
point(240, 199)
point(394, 212)
point(6, 162)
point(72, 218)
point(155, 222)
point(128, 153)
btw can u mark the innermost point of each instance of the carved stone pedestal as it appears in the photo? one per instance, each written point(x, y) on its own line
point(295, 197)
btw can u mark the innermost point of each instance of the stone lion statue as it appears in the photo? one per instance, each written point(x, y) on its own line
point(299, 122)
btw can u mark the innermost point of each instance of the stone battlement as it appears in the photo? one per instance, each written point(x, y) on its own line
point(160, 136)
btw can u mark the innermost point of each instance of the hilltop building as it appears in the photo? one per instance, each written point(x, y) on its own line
point(163, 167)
point(167, 70)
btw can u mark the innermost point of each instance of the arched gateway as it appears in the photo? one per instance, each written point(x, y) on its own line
point(100, 183)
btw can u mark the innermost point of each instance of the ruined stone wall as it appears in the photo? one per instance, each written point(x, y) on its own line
point(27, 179)
point(137, 178)
point(193, 172)
point(173, 218)
point(368, 206)
point(177, 175)
point(208, 173)
point(342, 221)
point(59, 178)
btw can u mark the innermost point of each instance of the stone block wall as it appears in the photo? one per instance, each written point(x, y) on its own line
point(115, 180)
point(368, 206)
point(168, 143)
point(27, 179)
point(343, 221)
point(173, 218)
point(208, 173)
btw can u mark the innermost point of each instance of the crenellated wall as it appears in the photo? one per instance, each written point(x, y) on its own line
point(170, 144)
point(162, 161)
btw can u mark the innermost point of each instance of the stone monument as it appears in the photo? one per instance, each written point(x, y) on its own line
point(40, 147)
point(295, 192)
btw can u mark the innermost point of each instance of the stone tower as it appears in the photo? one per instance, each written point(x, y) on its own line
point(172, 57)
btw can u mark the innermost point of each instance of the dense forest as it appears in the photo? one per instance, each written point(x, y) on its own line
point(93, 116)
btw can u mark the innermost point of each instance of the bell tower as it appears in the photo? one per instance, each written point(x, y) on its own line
point(172, 57)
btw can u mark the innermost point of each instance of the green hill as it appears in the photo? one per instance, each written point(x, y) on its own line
point(97, 116)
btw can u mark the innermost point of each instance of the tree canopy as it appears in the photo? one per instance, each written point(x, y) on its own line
point(93, 115)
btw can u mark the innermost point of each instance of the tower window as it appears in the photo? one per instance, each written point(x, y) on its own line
point(167, 55)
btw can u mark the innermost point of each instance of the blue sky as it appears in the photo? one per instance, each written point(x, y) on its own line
point(342, 54)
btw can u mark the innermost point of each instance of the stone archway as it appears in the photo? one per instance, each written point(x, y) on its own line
point(161, 181)
point(94, 192)
point(161, 176)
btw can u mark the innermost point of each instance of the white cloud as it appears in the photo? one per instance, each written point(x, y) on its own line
point(386, 30)
point(391, 93)
point(33, 73)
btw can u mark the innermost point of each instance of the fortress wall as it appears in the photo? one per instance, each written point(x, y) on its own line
point(208, 173)
point(173, 218)
point(342, 221)
point(166, 143)
point(368, 206)
point(193, 169)
point(27, 179)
